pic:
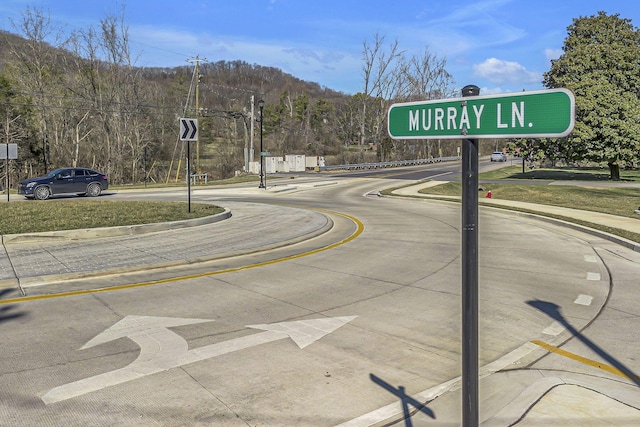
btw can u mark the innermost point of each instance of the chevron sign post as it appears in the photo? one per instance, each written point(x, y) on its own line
point(188, 129)
point(188, 133)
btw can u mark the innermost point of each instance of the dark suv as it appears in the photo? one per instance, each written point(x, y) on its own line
point(81, 181)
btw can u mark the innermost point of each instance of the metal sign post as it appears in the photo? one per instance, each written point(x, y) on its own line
point(539, 114)
point(8, 151)
point(6, 169)
point(263, 173)
point(470, 379)
point(189, 176)
point(188, 133)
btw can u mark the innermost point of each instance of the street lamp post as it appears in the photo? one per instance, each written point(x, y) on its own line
point(262, 177)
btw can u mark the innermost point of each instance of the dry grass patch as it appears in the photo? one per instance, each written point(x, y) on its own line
point(38, 216)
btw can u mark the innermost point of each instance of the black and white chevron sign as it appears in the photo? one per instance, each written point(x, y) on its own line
point(188, 129)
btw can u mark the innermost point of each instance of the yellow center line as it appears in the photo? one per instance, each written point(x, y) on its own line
point(584, 360)
point(359, 230)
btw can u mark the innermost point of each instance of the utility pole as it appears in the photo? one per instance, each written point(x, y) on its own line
point(197, 61)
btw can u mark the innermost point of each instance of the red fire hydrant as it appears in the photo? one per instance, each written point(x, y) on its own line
point(489, 194)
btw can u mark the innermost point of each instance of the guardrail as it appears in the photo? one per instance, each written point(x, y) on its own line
point(382, 165)
point(197, 178)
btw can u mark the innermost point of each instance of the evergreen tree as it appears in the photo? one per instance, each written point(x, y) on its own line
point(601, 66)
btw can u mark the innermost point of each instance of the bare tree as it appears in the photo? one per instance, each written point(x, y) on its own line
point(380, 73)
point(390, 77)
point(36, 71)
point(425, 77)
point(127, 120)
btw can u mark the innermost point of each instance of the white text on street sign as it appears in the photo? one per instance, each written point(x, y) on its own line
point(537, 114)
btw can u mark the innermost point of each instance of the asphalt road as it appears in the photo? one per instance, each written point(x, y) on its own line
point(375, 319)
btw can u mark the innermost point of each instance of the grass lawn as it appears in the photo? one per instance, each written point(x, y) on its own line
point(620, 201)
point(76, 213)
point(611, 200)
point(559, 174)
point(69, 214)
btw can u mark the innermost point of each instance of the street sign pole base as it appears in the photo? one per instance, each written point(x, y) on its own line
point(470, 372)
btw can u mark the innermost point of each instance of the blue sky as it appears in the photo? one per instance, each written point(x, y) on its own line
point(498, 45)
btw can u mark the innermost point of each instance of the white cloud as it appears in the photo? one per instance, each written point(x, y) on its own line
point(501, 72)
point(491, 90)
point(553, 53)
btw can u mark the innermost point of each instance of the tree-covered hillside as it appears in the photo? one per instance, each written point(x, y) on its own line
point(82, 100)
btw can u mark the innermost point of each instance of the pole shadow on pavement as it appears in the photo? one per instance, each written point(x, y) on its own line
point(7, 312)
point(554, 311)
point(405, 399)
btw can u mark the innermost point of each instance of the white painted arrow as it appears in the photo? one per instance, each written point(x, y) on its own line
point(162, 349)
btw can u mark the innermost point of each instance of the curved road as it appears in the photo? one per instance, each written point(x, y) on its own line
point(337, 336)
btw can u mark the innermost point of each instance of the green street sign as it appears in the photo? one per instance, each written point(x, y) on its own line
point(265, 153)
point(537, 114)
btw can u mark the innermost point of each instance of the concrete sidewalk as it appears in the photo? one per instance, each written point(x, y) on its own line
point(529, 398)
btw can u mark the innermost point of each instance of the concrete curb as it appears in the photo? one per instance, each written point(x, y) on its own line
point(127, 230)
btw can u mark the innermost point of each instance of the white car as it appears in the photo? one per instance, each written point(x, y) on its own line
point(498, 156)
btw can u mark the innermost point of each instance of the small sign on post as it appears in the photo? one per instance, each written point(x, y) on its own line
point(8, 151)
point(188, 129)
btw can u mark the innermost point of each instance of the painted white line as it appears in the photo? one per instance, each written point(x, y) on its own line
point(437, 175)
point(593, 276)
point(428, 395)
point(554, 329)
point(583, 299)
point(591, 258)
